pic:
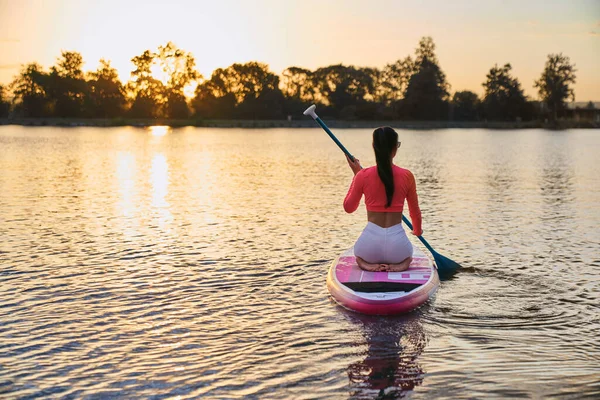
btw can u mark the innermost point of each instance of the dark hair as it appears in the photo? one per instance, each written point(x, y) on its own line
point(385, 140)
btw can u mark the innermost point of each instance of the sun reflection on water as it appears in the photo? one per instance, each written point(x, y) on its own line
point(126, 205)
point(159, 130)
point(126, 179)
point(159, 179)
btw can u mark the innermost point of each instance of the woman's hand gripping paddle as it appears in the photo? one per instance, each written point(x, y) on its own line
point(444, 265)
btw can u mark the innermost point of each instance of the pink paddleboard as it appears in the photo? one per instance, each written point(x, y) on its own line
point(382, 293)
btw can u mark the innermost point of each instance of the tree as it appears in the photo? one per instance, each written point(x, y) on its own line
point(391, 83)
point(147, 92)
point(180, 68)
point(504, 99)
point(68, 88)
point(465, 106)
point(344, 89)
point(4, 104)
point(250, 88)
point(212, 99)
point(106, 92)
point(30, 89)
point(394, 80)
point(427, 90)
point(297, 88)
point(256, 89)
point(590, 105)
point(247, 81)
point(553, 85)
point(297, 84)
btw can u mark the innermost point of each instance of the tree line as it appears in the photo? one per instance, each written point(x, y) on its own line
point(412, 88)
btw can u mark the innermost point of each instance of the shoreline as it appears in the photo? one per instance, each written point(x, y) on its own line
point(305, 123)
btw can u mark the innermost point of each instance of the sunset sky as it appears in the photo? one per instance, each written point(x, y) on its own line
point(471, 36)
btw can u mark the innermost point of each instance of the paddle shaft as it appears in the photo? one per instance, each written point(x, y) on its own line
point(332, 136)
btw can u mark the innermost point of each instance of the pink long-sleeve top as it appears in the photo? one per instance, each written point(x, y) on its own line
point(367, 182)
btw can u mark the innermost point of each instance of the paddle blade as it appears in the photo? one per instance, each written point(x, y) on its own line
point(445, 266)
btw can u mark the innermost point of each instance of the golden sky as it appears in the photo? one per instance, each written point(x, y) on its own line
point(471, 36)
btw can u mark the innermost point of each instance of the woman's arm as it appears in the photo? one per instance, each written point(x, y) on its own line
point(413, 205)
point(355, 193)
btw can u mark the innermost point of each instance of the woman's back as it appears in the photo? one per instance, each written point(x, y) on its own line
point(374, 189)
point(367, 182)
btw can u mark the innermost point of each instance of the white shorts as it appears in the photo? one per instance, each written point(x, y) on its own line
point(383, 245)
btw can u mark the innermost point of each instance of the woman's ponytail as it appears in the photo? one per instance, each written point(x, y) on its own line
point(385, 140)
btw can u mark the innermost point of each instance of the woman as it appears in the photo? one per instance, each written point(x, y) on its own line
point(383, 244)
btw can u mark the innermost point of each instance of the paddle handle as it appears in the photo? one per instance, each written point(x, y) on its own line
point(421, 238)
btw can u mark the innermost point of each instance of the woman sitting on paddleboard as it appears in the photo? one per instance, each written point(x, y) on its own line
point(383, 244)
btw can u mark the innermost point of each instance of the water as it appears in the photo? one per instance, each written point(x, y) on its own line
point(188, 263)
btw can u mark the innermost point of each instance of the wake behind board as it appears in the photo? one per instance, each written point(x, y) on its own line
point(382, 293)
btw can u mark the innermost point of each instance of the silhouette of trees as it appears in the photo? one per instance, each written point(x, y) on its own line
point(427, 91)
point(153, 98)
point(256, 89)
point(147, 92)
point(212, 99)
point(298, 89)
point(504, 99)
point(106, 94)
point(30, 91)
point(394, 80)
point(64, 92)
point(67, 87)
point(554, 82)
point(250, 89)
point(4, 103)
point(414, 87)
point(345, 89)
point(466, 106)
point(296, 83)
point(180, 67)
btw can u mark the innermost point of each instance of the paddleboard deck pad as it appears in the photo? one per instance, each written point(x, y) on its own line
point(382, 293)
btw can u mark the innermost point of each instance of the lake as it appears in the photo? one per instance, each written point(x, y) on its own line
point(191, 263)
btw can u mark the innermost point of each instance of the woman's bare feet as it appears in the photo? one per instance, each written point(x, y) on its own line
point(375, 267)
point(399, 267)
point(372, 267)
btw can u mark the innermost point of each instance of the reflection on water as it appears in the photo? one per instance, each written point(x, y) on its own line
point(556, 180)
point(159, 179)
point(390, 368)
point(191, 263)
point(125, 177)
point(158, 131)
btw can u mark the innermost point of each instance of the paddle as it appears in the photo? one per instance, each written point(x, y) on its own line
point(444, 264)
